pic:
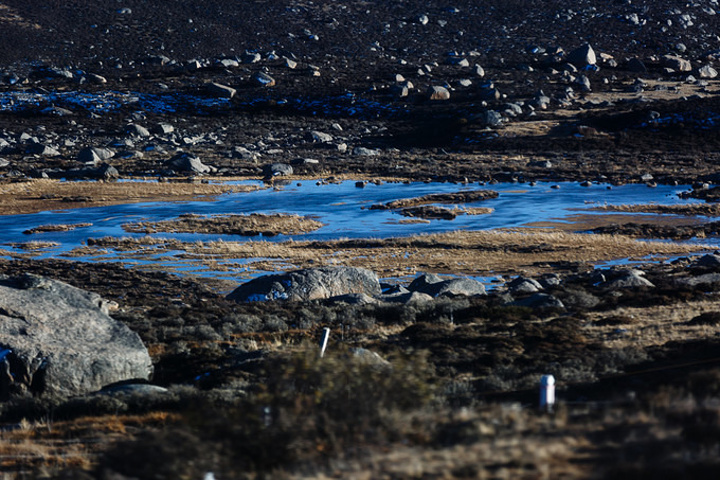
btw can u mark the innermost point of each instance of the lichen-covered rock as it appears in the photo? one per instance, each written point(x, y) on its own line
point(58, 340)
point(309, 284)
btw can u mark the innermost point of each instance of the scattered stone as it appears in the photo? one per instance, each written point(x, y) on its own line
point(636, 65)
point(94, 155)
point(42, 150)
point(540, 301)
point(220, 91)
point(187, 162)
point(711, 261)
point(435, 286)
point(628, 279)
point(162, 129)
point(277, 169)
point(676, 63)
point(582, 57)
point(95, 78)
point(320, 137)
point(488, 118)
point(365, 152)
point(137, 131)
point(264, 79)
point(438, 93)
point(707, 72)
point(524, 285)
point(251, 57)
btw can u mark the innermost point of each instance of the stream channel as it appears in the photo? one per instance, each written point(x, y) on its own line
point(343, 208)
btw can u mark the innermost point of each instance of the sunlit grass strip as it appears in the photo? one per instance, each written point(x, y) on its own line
point(458, 252)
point(693, 209)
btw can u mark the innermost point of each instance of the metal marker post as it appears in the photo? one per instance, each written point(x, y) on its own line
point(324, 341)
point(547, 392)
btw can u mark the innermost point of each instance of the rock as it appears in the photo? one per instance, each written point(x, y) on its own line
point(524, 285)
point(539, 300)
point(628, 279)
point(582, 57)
point(244, 153)
point(96, 79)
point(584, 83)
point(277, 169)
point(42, 150)
point(291, 64)
point(435, 286)
point(707, 72)
point(408, 298)
point(264, 79)
point(479, 71)
point(228, 63)
point(400, 91)
point(354, 299)
point(59, 341)
point(488, 118)
point(365, 152)
point(676, 63)
point(250, 57)
point(369, 358)
point(636, 65)
point(187, 162)
point(711, 261)
point(137, 131)
point(308, 284)
point(94, 155)
point(220, 91)
point(438, 93)
point(162, 129)
point(321, 137)
point(423, 281)
point(104, 172)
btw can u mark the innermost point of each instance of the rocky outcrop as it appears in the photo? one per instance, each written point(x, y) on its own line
point(309, 284)
point(57, 340)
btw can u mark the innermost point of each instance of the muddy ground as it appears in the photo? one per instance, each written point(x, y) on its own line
point(247, 397)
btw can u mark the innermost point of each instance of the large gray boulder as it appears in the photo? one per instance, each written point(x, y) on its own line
point(58, 340)
point(308, 284)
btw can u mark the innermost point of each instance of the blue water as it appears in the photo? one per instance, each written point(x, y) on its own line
point(343, 208)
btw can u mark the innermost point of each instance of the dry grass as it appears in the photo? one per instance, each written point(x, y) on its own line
point(461, 252)
point(248, 225)
point(38, 195)
point(49, 445)
point(9, 16)
point(31, 246)
point(584, 221)
point(459, 197)
point(57, 228)
point(652, 325)
point(693, 209)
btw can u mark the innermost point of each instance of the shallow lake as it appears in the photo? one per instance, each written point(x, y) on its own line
point(342, 207)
